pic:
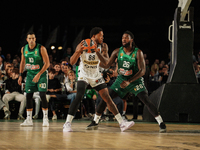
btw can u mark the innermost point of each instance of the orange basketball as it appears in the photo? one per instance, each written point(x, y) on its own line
point(89, 46)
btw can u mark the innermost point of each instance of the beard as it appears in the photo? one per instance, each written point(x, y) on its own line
point(126, 45)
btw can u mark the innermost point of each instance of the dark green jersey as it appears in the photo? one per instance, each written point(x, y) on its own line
point(127, 64)
point(33, 59)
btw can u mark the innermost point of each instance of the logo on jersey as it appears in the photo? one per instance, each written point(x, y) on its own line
point(32, 67)
point(125, 72)
point(121, 54)
point(91, 62)
point(133, 55)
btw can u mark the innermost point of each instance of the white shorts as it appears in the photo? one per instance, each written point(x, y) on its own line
point(92, 81)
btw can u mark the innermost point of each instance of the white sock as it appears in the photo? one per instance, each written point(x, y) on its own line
point(29, 115)
point(124, 112)
point(119, 118)
point(69, 118)
point(159, 119)
point(97, 118)
point(45, 113)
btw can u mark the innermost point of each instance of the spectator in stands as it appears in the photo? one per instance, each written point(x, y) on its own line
point(15, 63)
point(57, 70)
point(154, 72)
point(8, 58)
point(1, 77)
point(8, 71)
point(1, 63)
point(154, 78)
point(67, 54)
point(13, 92)
point(63, 77)
point(54, 88)
point(164, 74)
point(71, 85)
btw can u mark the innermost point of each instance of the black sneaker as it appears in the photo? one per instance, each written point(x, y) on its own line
point(92, 126)
point(162, 128)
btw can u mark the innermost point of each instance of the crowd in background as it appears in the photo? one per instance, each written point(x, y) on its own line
point(62, 83)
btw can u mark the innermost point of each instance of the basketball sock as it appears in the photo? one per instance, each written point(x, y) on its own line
point(29, 115)
point(159, 119)
point(96, 118)
point(124, 112)
point(119, 118)
point(45, 113)
point(69, 118)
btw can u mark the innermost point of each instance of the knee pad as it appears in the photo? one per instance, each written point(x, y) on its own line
point(29, 102)
point(44, 99)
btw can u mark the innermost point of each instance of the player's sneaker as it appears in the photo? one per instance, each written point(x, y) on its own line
point(35, 116)
point(126, 125)
point(45, 122)
point(20, 117)
point(27, 122)
point(162, 128)
point(7, 115)
point(54, 117)
point(92, 126)
point(67, 127)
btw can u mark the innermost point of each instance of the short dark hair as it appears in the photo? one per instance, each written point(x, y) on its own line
point(95, 31)
point(52, 71)
point(129, 33)
point(15, 70)
point(30, 33)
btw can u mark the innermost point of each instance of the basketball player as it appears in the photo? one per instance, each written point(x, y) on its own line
point(36, 61)
point(89, 75)
point(131, 68)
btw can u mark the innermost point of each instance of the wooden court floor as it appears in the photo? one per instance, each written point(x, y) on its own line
point(142, 136)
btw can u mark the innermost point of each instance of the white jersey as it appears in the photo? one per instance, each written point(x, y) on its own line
point(89, 65)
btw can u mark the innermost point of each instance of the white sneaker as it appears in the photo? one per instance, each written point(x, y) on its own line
point(126, 125)
point(35, 116)
point(54, 117)
point(45, 122)
point(27, 122)
point(67, 127)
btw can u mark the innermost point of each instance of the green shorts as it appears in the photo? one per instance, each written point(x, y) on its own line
point(134, 87)
point(41, 85)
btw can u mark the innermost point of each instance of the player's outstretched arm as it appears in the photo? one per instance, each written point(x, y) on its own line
point(141, 67)
point(110, 61)
point(22, 66)
point(77, 54)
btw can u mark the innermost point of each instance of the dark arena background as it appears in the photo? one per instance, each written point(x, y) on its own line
point(147, 20)
point(59, 25)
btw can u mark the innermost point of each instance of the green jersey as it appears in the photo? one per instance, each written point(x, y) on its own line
point(33, 59)
point(127, 64)
point(127, 68)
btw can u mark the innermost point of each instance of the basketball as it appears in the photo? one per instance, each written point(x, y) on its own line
point(89, 46)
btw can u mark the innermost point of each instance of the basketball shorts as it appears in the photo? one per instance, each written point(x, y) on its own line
point(93, 82)
point(41, 85)
point(134, 87)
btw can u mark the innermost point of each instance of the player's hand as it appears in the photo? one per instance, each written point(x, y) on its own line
point(20, 80)
point(36, 78)
point(96, 49)
point(124, 84)
point(80, 46)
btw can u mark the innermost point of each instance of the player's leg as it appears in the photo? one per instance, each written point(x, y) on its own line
point(143, 96)
point(103, 91)
point(29, 109)
point(81, 87)
point(42, 89)
point(44, 109)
